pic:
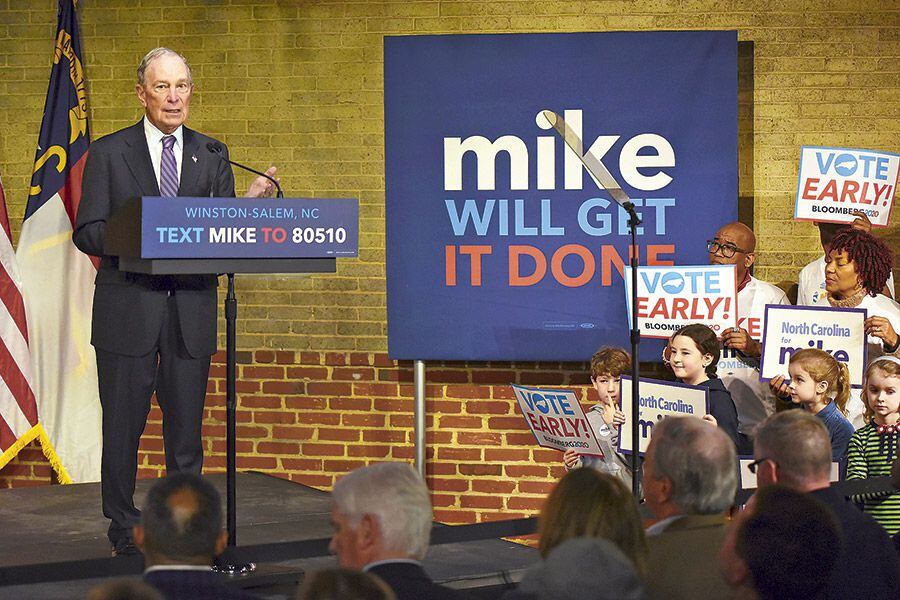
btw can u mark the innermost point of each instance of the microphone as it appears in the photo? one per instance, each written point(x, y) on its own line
point(216, 148)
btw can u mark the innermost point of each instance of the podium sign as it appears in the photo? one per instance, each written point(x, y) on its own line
point(172, 228)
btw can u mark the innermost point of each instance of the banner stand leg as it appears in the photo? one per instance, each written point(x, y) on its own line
point(419, 415)
point(231, 569)
point(633, 222)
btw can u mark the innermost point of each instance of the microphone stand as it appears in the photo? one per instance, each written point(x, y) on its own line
point(604, 178)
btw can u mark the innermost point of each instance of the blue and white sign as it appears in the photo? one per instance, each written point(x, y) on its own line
point(659, 399)
point(838, 331)
point(499, 244)
point(835, 182)
point(556, 419)
point(249, 227)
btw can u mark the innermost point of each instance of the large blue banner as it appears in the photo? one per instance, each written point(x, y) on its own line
point(500, 246)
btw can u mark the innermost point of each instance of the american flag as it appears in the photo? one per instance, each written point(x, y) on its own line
point(18, 409)
point(57, 278)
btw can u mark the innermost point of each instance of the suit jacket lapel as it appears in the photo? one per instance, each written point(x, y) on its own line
point(137, 157)
point(190, 165)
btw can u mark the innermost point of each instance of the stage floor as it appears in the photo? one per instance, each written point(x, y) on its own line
point(62, 523)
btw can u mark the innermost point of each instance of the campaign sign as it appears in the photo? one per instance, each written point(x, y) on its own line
point(835, 182)
point(556, 419)
point(499, 244)
point(659, 399)
point(838, 331)
point(183, 227)
point(668, 298)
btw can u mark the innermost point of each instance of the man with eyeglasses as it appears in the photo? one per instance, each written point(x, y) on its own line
point(735, 244)
point(793, 448)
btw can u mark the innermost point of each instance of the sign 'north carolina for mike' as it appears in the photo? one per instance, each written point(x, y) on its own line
point(500, 245)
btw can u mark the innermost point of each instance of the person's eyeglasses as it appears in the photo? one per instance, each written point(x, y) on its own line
point(726, 250)
point(752, 466)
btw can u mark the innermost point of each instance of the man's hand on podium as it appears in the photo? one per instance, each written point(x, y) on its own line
point(262, 187)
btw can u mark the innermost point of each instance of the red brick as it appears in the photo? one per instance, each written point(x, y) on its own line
point(307, 373)
point(467, 391)
point(368, 451)
point(474, 407)
point(350, 404)
point(454, 517)
point(506, 456)
point(310, 358)
point(285, 357)
point(408, 421)
point(520, 439)
point(382, 360)
point(284, 387)
point(335, 358)
point(145, 473)
point(352, 374)
point(459, 453)
point(405, 375)
point(493, 487)
point(525, 503)
point(249, 431)
point(393, 405)
point(372, 420)
point(481, 502)
point(493, 377)
point(242, 386)
point(320, 388)
point(462, 422)
point(480, 469)
point(339, 435)
point(293, 433)
point(241, 446)
point(243, 357)
point(262, 372)
point(278, 448)
point(546, 455)
point(305, 403)
point(384, 435)
point(264, 356)
point(261, 402)
point(375, 389)
point(447, 485)
point(447, 376)
point(472, 438)
point(443, 406)
point(343, 466)
point(438, 437)
point(311, 418)
point(149, 444)
point(260, 416)
point(443, 500)
point(313, 449)
point(542, 378)
point(536, 487)
point(151, 429)
point(432, 468)
point(360, 359)
point(257, 462)
point(514, 423)
point(503, 392)
point(302, 464)
point(407, 452)
point(526, 471)
point(318, 481)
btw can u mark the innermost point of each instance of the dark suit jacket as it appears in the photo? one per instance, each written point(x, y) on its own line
point(682, 561)
point(194, 585)
point(410, 582)
point(867, 566)
point(129, 308)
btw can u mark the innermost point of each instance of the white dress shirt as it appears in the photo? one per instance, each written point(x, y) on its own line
point(154, 145)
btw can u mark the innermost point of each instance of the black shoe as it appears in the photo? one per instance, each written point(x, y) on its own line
point(125, 547)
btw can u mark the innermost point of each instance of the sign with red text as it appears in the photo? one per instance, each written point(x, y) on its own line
point(835, 182)
point(838, 331)
point(668, 298)
point(556, 419)
point(659, 399)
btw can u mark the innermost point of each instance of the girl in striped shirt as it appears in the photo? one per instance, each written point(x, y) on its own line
point(875, 446)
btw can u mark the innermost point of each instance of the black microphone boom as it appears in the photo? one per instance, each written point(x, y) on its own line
point(216, 148)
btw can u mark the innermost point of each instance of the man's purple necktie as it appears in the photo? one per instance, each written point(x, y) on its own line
point(168, 170)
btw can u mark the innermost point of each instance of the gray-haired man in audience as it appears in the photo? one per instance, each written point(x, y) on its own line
point(793, 448)
point(690, 478)
point(382, 525)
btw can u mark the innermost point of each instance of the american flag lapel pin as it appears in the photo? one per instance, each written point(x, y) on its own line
point(194, 158)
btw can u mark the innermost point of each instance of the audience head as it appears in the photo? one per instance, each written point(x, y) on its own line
point(856, 261)
point(881, 391)
point(380, 512)
point(693, 353)
point(343, 584)
point(793, 448)
point(816, 373)
point(181, 522)
point(734, 244)
point(587, 503)
point(690, 468)
point(783, 545)
point(607, 367)
point(124, 589)
point(586, 567)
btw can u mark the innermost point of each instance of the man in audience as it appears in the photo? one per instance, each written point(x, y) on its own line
point(793, 448)
point(735, 244)
point(180, 533)
point(382, 525)
point(690, 478)
point(783, 545)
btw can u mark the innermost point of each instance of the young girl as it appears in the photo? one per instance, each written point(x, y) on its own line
point(607, 367)
point(693, 354)
point(874, 447)
point(816, 377)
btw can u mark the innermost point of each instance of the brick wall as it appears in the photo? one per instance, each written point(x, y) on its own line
point(318, 395)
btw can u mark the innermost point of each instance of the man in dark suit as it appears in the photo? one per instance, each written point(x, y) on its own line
point(151, 333)
point(793, 448)
point(180, 533)
point(382, 524)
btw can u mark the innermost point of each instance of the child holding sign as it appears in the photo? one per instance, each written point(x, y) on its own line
point(874, 447)
point(607, 367)
point(692, 354)
point(816, 378)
